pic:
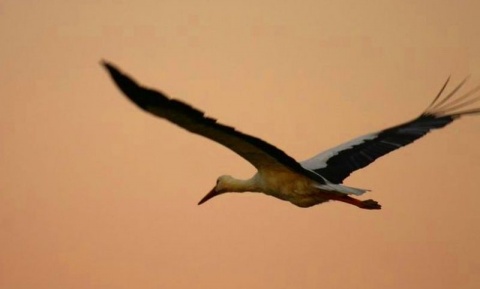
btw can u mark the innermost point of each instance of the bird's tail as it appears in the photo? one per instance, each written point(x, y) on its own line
point(342, 189)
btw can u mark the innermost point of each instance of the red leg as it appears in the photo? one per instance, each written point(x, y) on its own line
point(367, 204)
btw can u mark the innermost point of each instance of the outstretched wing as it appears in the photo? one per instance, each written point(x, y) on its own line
point(259, 153)
point(339, 162)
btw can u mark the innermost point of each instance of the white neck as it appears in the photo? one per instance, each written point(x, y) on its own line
point(230, 184)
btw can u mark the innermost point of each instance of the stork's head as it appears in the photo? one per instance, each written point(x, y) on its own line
point(221, 187)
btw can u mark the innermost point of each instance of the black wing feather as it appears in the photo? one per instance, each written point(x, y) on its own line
point(346, 159)
point(258, 152)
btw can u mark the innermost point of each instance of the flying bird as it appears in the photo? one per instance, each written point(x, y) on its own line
point(310, 182)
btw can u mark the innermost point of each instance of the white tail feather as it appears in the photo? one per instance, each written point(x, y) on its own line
point(342, 189)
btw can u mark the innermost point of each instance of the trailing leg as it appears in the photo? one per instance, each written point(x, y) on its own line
point(367, 204)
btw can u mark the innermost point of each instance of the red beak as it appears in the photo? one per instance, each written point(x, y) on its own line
point(211, 194)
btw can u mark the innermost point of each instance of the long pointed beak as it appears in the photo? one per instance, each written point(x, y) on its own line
point(211, 194)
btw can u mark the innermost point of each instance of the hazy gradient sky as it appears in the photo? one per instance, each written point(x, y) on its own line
point(95, 193)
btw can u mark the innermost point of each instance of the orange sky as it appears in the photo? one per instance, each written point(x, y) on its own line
point(95, 193)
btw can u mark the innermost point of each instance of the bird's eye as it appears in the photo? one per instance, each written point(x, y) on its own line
point(218, 180)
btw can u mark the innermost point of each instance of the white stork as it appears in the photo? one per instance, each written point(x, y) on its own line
point(313, 181)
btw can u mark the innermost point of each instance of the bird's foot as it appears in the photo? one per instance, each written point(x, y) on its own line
point(370, 205)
